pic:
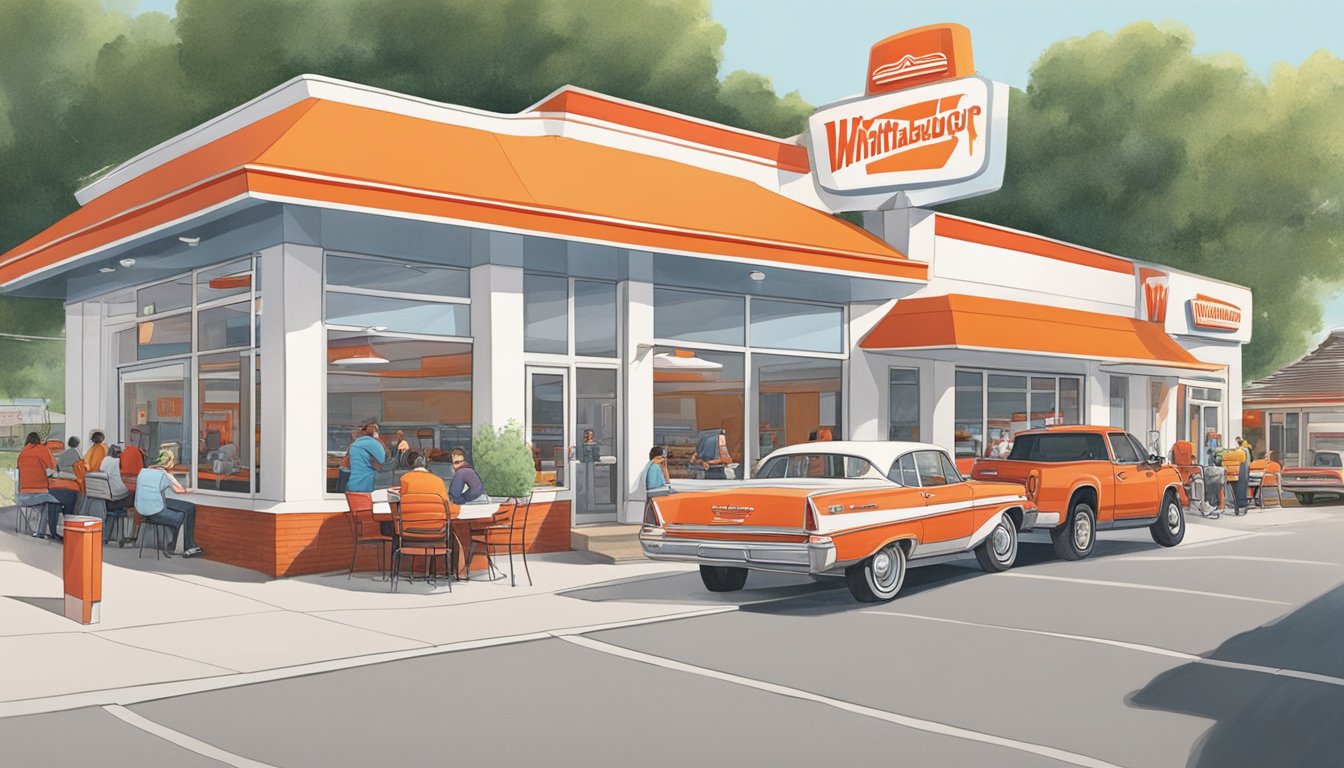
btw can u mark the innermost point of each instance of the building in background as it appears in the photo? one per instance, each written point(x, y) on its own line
point(1299, 409)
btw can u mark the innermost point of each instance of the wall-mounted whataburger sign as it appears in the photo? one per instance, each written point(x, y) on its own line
point(1214, 314)
point(927, 128)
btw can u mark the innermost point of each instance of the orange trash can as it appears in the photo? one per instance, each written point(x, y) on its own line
point(83, 567)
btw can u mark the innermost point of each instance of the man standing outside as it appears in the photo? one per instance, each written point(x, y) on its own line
point(151, 501)
point(467, 486)
point(367, 455)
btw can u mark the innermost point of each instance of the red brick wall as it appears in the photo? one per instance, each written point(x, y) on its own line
point(293, 544)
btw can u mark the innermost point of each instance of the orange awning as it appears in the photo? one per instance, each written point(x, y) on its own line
point(974, 323)
point(322, 152)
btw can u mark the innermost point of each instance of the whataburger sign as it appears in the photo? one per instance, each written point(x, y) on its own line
point(926, 125)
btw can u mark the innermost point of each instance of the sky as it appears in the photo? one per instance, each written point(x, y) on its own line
point(821, 48)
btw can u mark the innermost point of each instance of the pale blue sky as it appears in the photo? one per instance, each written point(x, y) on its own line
point(820, 48)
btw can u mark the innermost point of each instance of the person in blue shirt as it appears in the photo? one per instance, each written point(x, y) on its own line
point(151, 501)
point(655, 474)
point(367, 455)
point(466, 486)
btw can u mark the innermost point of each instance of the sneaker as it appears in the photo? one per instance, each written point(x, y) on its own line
point(193, 552)
point(37, 535)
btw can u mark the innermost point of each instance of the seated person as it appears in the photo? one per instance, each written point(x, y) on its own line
point(65, 460)
point(420, 479)
point(132, 461)
point(225, 460)
point(36, 466)
point(121, 495)
point(467, 486)
point(151, 501)
point(98, 451)
point(655, 474)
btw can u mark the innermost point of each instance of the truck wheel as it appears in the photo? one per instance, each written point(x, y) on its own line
point(1074, 539)
point(1305, 498)
point(1170, 526)
point(723, 578)
point(998, 551)
point(879, 578)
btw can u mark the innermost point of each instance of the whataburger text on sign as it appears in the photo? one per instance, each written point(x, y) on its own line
point(1214, 314)
point(927, 126)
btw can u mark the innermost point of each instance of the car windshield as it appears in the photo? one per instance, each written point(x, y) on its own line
point(1060, 446)
point(1328, 460)
point(832, 466)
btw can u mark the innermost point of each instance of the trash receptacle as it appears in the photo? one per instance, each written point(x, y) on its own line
point(83, 567)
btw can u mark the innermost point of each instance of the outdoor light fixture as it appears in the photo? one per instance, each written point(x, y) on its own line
point(127, 263)
point(191, 242)
point(756, 275)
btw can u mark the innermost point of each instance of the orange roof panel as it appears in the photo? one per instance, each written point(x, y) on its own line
point(957, 321)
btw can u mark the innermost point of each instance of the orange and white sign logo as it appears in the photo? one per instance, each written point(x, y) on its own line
point(1156, 286)
point(920, 56)
point(1214, 314)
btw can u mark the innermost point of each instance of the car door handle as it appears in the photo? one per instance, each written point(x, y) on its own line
point(1120, 475)
point(926, 494)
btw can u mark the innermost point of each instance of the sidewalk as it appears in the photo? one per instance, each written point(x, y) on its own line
point(192, 619)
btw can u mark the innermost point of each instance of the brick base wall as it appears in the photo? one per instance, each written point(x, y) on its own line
point(293, 544)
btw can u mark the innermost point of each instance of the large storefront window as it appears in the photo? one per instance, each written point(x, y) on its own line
point(798, 400)
point(546, 314)
point(1120, 402)
point(594, 319)
point(1012, 403)
point(225, 411)
point(694, 393)
point(968, 427)
point(710, 318)
point(156, 413)
point(903, 399)
point(794, 325)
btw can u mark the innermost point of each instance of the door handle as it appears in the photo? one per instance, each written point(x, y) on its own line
point(926, 494)
point(1120, 475)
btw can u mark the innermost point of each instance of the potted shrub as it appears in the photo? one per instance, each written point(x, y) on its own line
point(504, 462)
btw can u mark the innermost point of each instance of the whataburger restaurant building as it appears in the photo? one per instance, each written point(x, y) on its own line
point(328, 254)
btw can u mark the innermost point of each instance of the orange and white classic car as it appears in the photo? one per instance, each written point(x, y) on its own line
point(1324, 476)
point(866, 510)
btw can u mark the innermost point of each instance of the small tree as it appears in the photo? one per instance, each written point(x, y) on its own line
point(504, 460)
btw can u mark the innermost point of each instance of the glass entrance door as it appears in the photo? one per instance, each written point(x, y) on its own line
point(597, 466)
point(156, 411)
point(1203, 421)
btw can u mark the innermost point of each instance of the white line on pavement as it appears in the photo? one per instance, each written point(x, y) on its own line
point(152, 691)
point(181, 739)
point(1149, 587)
point(1279, 671)
point(1248, 558)
point(928, 726)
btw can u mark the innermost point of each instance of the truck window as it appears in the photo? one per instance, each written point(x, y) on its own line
point(1324, 459)
point(1060, 446)
point(930, 468)
point(1124, 450)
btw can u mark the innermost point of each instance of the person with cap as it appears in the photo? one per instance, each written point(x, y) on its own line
point(151, 500)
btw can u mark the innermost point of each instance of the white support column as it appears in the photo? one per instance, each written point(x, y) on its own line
point(498, 388)
point(98, 412)
point(866, 388)
point(74, 365)
point(271, 345)
point(302, 438)
point(942, 392)
point(1096, 395)
point(636, 300)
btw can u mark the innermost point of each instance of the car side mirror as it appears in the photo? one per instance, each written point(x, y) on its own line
point(1155, 459)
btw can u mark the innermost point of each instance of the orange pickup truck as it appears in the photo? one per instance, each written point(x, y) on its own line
point(1084, 479)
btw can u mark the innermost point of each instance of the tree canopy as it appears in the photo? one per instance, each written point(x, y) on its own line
point(1132, 144)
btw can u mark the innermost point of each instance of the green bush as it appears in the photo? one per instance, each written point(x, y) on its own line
point(504, 460)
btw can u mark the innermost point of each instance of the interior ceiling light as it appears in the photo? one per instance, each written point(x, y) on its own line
point(370, 359)
point(191, 242)
point(127, 263)
point(375, 329)
point(756, 275)
point(684, 361)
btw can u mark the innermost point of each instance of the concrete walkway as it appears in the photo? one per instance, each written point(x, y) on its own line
point(181, 620)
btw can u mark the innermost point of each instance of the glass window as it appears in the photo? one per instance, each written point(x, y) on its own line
point(1138, 447)
point(224, 327)
point(157, 408)
point(904, 471)
point(1060, 446)
point(420, 396)
point(949, 469)
point(903, 397)
point(1123, 450)
point(256, 445)
point(1043, 410)
point(697, 393)
point(1007, 412)
point(969, 416)
point(1120, 402)
point(1070, 400)
point(706, 317)
point(224, 417)
point(1292, 446)
point(594, 319)
point(791, 325)
point(163, 297)
point(832, 466)
point(400, 315)
point(798, 400)
point(398, 276)
point(546, 314)
point(164, 337)
point(546, 414)
point(930, 468)
point(232, 279)
point(126, 342)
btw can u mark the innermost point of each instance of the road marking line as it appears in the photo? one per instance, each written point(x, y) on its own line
point(928, 726)
point(1249, 558)
point(181, 739)
point(151, 691)
point(1148, 587)
point(1155, 650)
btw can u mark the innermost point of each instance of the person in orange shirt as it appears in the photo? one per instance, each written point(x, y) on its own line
point(420, 479)
point(98, 451)
point(129, 465)
point(36, 464)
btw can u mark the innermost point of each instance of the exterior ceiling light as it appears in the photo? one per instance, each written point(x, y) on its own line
point(191, 242)
point(127, 263)
point(756, 275)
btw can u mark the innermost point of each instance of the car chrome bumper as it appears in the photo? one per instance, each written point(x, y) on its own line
point(801, 557)
point(1312, 488)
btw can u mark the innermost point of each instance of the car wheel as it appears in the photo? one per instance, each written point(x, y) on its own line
point(1074, 539)
point(1305, 498)
point(998, 551)
point(878, 578)
point(723, 578)
point(1170, 526)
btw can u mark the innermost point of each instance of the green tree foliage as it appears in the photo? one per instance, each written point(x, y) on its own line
point(83, 87)
point(503, 459)
point(1132, 144)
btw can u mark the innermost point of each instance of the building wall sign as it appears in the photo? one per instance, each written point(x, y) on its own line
point(926, 126)
point(1155, 287)
point(1214, 314)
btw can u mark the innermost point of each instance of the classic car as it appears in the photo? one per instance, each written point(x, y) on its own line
point(1085, 479)
point(864, 510)
point(1324, 476)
